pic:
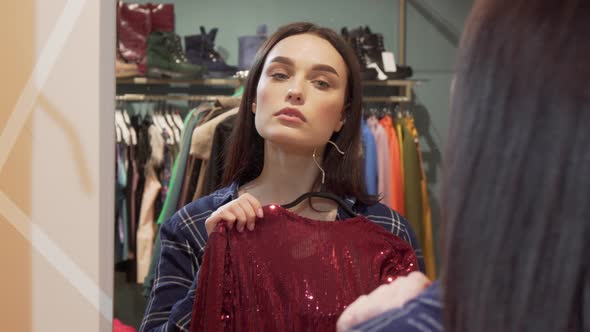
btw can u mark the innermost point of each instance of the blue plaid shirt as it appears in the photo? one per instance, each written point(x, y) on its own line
point(183, 239)
point(422, 314)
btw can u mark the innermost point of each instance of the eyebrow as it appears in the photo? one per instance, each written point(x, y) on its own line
point(318, 67)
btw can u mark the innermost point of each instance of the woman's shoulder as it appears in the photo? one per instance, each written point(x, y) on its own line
point(393, 222)
point(382, 214)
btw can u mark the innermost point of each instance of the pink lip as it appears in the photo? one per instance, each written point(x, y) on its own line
point(292, 112)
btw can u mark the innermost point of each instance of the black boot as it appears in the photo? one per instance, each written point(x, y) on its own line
point(200, 50)
point(355, 42)
point(165, 57)
point(373, 49)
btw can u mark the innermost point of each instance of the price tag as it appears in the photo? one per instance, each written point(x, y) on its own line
point(388, 62)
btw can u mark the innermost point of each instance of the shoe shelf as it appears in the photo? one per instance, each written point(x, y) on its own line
point(145, 88)
point(209, 81)
point(157, 86)
point(390, 91)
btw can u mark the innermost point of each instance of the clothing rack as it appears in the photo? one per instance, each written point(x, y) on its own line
point(140, 97)
point(144, 97)
point(405, 96)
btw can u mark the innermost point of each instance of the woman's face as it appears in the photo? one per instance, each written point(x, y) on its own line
point(301, 92)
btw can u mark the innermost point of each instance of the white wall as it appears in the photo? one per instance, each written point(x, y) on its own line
point(56, 165)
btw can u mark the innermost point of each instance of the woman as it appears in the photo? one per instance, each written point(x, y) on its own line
point(516, 179)
point(298, 130)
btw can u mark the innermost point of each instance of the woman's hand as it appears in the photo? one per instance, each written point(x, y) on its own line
point(241, 211)
point(384, 298)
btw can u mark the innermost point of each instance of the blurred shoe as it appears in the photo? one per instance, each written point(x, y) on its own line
point(200, 50)
point(369, 48)
point(354, 40)
point(166, 58)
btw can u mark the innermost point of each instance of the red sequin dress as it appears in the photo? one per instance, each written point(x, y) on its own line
point(292, 273)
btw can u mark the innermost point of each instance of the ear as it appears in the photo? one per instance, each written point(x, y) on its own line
point(339, 125)
point(254, 107)
point(342, 119)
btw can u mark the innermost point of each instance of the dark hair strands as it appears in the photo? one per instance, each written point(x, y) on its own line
point(516, 189)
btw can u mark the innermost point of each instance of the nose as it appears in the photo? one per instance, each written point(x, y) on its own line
point(294, 95)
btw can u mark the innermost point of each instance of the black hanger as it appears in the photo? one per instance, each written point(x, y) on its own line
point(321, 194)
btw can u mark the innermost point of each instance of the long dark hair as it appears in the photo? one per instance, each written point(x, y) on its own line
point(516, 197)
point(245, 155)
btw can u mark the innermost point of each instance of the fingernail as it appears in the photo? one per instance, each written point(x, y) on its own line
point(260, 213)
point(251, 227)
point(240, 229)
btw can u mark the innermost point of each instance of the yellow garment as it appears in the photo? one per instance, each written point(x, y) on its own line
point(426, 240)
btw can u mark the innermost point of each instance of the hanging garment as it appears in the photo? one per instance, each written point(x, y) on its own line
point(397, 185)
point(383, 159)
point(121, 232)
point(370, 155)
point(178, 170)
point(293, 273)
point(195, 163)
point(118, 326)
point(152, 191)
point(400, 139)
point(190, 182)
point(143, 151)
point(182, 190)
point(426, 242)
point(201, 146)
point(147, 226)
point(412, 188)
point(133, 175)
point(166, 171)
point(214, 173)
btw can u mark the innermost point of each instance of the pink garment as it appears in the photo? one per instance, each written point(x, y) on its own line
point(146, 232)
point(118, 326)
point(383, 159)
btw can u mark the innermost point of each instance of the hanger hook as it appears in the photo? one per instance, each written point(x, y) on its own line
point(320, 167)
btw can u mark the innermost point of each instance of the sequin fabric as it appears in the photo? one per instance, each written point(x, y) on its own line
point(292, 273)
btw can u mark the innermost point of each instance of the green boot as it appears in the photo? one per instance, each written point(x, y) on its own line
point(165, 57)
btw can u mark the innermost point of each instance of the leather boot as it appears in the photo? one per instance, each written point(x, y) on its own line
point(373, 49)
point(166, 58)
point(369, 47)
point(354, 40)
point(200, 50)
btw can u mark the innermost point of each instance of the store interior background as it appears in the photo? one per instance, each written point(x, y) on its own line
point(433, 30)
point(57, 134)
